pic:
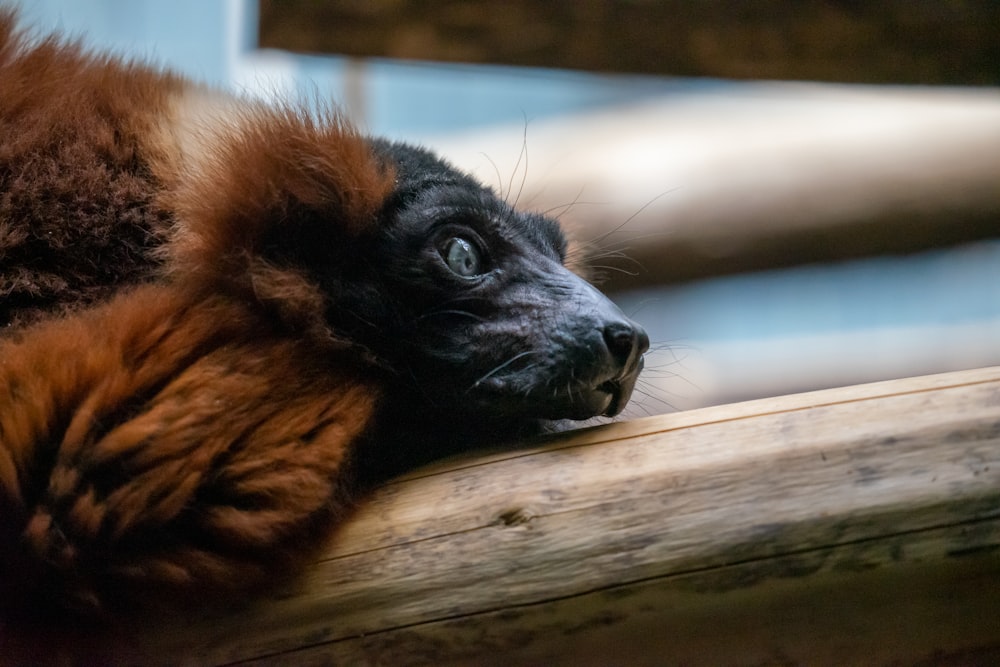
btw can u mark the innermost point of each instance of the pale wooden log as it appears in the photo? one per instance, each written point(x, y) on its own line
point(753, 176)
point(851, 526)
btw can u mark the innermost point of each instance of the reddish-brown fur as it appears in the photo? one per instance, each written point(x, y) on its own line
point(166, 444)
point(191, 433)
point(237, 200)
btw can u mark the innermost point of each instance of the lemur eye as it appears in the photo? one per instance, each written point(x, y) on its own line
point(462, 257)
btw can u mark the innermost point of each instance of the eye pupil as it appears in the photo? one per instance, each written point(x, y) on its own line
point(462, 257)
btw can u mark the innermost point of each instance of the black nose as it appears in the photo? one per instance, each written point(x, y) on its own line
point(625, 340)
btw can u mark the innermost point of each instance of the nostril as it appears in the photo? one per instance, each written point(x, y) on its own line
point(623, 339)
point(643, 342)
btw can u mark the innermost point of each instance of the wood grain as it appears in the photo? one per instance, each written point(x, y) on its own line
point(852, 525)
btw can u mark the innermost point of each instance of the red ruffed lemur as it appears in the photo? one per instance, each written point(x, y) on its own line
point(220, 317)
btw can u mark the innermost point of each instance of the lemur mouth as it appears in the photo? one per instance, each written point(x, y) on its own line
point(606, 399)
point(620, 390)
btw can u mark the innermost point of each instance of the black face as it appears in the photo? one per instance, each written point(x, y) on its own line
point(470, 303)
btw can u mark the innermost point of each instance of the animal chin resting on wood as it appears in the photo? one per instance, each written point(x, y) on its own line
point(219, 318)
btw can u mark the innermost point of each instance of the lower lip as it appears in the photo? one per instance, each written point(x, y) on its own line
point(614, 403)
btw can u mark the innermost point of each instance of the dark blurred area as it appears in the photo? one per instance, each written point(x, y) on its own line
point(918, 42)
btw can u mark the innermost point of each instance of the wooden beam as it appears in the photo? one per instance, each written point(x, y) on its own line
point(848, 526)
point(828, 40)
point(756, 177)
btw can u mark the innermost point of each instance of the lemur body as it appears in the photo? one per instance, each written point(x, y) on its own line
point(221, 316)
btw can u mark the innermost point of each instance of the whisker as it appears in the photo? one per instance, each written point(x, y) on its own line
point(499, 368)
point(593, 251)
point(624, 244)
point(496, 169)
point(609, 253)
point(650, 396)
point(524, 170)
point(435, 313)
point(566, 207)
point(642, 306)
point(633, 407)
point(634, 215)
point(618, 269)
point(517, 165)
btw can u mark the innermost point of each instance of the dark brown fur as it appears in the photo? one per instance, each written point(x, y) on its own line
point(58, 246)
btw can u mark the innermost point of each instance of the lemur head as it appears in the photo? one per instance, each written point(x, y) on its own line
point(472, 300)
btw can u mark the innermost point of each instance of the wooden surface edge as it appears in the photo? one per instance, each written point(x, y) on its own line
point(664, 423)
point(822, 528)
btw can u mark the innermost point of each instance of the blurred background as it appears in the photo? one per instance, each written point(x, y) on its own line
point(788, 195)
